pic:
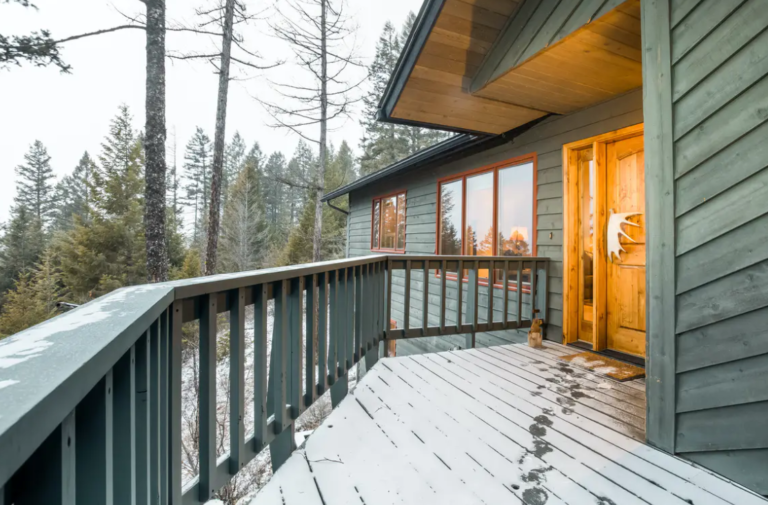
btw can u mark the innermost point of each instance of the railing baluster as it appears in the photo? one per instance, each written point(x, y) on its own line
point(311, 340)
point(322, 333)
point(505, 283)
point(533, 291)
point(333, 369)
point(343, 322)
point(164, 380)
point(207, 395)
point(295, 315)
point(443, 273)
point(460, 294)
point(519, 293)
point(280, 352)
point(94, 451)
point(425, 300)
point(351, 355)
point(407, 311)
point(236, 380)
point(174, 413)
point(388, 298)
point(491, 279)
point(124, 428)
point(359, 325)
point(260, 380)
point(476, 288)
point(155, 408)
point(144, 397)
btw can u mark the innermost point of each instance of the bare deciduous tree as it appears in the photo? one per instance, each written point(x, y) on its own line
point(319, 33)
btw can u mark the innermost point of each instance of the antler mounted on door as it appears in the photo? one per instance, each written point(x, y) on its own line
point(614, 233)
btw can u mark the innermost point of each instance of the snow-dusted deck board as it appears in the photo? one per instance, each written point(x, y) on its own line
point(477, 426)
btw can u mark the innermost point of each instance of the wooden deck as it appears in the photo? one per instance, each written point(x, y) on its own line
point(505, 424)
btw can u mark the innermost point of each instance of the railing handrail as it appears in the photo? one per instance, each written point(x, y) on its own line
point(38, 389)
point(48, 371)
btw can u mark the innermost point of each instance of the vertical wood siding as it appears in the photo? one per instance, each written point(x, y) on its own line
point(720, 129)
point(546, 140)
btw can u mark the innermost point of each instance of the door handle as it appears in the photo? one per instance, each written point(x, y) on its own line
point(615, 232)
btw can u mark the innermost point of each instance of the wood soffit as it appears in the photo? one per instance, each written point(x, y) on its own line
point(593, 63)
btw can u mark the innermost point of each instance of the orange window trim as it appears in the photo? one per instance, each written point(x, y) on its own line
point(375, 199)
point(494, 167)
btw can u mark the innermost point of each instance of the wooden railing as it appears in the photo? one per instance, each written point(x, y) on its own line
point(92, 400)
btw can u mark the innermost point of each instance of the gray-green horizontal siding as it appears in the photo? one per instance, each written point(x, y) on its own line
point(546, 140)
point(720, 111)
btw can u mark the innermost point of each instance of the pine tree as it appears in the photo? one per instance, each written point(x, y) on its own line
point(72, 194)
point(34, 186)
point(34, 297)
point(119, 181)
point(234, 157)
point(244, 234)
point(108, 251)
point(273, 196)
point(197, 172)
point(384, 143)
point(174, 219)
point(301, 170)
point(20, 246)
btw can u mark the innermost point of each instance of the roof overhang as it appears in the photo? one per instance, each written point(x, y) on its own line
point(457, 146)
point(489, 66)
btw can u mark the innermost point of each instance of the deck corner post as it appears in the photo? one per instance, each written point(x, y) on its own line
point(282, 447)
point(339, 390)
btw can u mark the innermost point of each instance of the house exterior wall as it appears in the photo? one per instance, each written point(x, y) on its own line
point(706, 111)
point(545, 140)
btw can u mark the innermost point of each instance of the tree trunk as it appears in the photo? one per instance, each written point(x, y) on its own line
point(317, 239)
point(218, 140)
point(154, 144)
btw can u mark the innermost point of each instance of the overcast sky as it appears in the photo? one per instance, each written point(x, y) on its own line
point(70, 113)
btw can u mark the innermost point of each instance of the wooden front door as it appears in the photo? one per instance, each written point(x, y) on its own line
point(604, 249)
point(625, 201)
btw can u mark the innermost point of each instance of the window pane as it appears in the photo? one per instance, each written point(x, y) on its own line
point(450, 218)
point(375, 235)
point(515, 218)
point(478, 233)
point(401, 222)
point(389, 222)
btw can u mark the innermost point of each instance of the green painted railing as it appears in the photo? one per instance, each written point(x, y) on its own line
point(91, 401)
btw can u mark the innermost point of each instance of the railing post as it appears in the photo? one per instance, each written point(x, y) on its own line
point(459, 294)
point(236, 379)
point(519, 293)
point(311, 340)
point(472, 306)
point(94, 475)
point(407, 299)
point(283, 444)
point(505, 283)
point(207, 407)
point(295, 316)
point(386, 289)
point(425, 299)
point(533, 290)
point(322, 333)
point(144, 397)
point(174, 409)
point(443, 308)
point(124, 428)
point(260, 381)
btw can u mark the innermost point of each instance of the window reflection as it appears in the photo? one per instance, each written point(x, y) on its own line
point(375, 238)
point(389, 222)
point(487, 214)
point(478, 232)
point(515, 213)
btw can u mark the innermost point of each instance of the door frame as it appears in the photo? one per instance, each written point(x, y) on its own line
point(571, 229)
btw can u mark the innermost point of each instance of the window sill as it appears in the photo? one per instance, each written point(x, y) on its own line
point(390, 251)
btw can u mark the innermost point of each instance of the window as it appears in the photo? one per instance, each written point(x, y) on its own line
point(489, 211)
point(388, 223)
